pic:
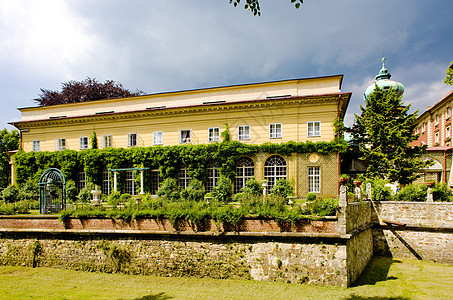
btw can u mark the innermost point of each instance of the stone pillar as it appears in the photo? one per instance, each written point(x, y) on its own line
point(341, 212)
point(368, 190)
point(114, 180)
point(141, 183)
point(429, 196)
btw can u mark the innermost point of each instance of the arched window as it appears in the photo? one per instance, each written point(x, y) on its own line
point(213, 176)
point(245, 169)
point(274, 169)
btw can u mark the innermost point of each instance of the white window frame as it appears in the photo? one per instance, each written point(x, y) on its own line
point(214, 134)
point(312, 131)
point(106, 141)
point(423, 127)
point(83, 143)
point(81, 180)
point(437, 120)
point(185, 140)
point(61, 144)
point(158, 138)
point(243, 132)
point(314, 179)
point(36, 146)
point(132, 139)
point(448, 112)
point(275, 130)
point(106, 182)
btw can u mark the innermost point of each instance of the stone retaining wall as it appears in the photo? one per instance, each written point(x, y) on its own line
point(296, 259)
point(309, 251)
point(427, 233)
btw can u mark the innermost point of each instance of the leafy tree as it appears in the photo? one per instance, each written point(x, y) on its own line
point(383, 132)
point(94, 140)
point(254, 5)
point(81, 91)
point(449, 74)
point(9, 140)
point(282, 187)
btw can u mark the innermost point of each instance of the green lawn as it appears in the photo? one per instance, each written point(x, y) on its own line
point(384, 279)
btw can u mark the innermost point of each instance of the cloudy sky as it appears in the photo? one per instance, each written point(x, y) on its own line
point(168, 45)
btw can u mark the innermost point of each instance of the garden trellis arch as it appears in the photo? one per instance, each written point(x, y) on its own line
point(52, 191)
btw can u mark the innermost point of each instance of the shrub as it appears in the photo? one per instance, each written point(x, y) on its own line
point(71, 191)
point(170, 190)
point(29, 191)
point(194, 192)
point(125, 198)
point(223, 191)
point(379, 191)
point(324, 207)
point(282, 187)
point(84, 196)
point(252, 187)
point(114, 198)
point(311, 197)
point(10, 194)
point(441, 192)
point(412, 192)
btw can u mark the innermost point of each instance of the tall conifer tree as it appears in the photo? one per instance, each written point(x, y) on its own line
point(383, 132)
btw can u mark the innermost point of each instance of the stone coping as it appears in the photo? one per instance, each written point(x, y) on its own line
point(176, 233)
point(325, 218)
point(414, 202)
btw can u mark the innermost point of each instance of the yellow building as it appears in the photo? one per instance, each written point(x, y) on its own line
point(298, 110)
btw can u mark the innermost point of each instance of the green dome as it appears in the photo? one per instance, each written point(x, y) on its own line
point(382, 81)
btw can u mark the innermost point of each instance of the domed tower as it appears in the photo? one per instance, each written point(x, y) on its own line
point(382, 81)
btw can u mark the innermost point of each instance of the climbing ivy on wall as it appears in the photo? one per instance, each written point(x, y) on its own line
point(168, 159)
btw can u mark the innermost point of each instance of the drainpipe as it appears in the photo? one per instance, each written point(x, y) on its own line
point(338, 138)
point(445, 165)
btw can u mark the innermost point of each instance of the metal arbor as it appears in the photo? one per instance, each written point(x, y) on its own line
point(52, 191)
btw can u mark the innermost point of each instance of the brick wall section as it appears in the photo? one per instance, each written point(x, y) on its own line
point(428, 234)
point(326, 225)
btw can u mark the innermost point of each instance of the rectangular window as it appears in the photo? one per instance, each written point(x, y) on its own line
point(244, 132)
point(437, 120)
point(448, 112)
point(36, 146)
point(106, 141)
point(314, 179)
point(184, 178)
point(132, 140)
point(155, 180)
point(105, 187)
point(131, 186)
point(83, 143)
point(158, 138)
point(313, 129)
point(275, 131)
point(447, 133)
point(61, 144)
point(82, 180)
point(423, 127)
point(436, 138)
point(184, 136)
point(214, 134)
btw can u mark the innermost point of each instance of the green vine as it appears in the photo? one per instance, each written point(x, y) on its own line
point(168, 159)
